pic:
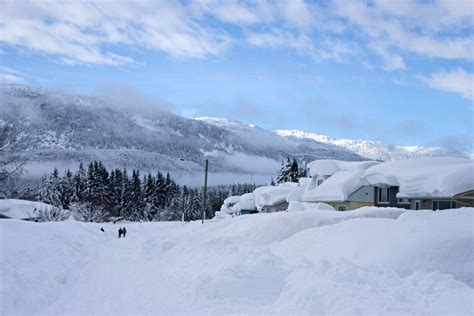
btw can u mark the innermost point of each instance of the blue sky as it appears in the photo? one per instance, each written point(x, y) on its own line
point(397, 71)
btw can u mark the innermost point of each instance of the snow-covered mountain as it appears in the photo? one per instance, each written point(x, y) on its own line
point(61, 129)
point(58, 128)
point(376, 150)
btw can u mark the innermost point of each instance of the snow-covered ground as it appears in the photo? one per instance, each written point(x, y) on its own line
point(367, 261)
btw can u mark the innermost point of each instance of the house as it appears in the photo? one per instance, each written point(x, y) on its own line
point(434, 183)
point(337, 183)
point(344, 191)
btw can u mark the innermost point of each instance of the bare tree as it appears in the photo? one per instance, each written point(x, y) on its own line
point(90, 212)
point(11, 164)
point(51, 214)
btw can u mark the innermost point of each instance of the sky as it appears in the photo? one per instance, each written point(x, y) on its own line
point(398, 71)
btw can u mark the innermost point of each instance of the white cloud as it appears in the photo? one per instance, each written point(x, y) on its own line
point(90, 32)
point(78, 32)
point(10, 75)
point(430, 29)
point(458, 81)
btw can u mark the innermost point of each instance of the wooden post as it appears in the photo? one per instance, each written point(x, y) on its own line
point(205, 191)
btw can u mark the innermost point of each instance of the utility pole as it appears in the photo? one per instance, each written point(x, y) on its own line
point(182, 207)
point(205, 191)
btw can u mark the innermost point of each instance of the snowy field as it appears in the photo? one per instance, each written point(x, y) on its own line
point(367, 261)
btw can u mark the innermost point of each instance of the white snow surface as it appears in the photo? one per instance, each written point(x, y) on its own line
point(425, 177)
point(328, 167)
point(296, 206)
point(366, 261)
point(20, 209)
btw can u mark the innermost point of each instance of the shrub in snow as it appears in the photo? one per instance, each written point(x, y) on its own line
point(51, 214)
point(89, 212)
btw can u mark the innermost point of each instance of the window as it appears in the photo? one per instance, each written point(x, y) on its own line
point(383, 196)
point(342, 208)
point(403, 201)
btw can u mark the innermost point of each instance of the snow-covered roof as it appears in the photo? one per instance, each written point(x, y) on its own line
point(424, 177)
point(247, 202)
point(231, 200)
point(336, 188)
point(328, 167)
point(297, 193)
point(273, 195)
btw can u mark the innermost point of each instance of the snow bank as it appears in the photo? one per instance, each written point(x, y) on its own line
point(424, 177)
point(328, 167)
point(20, 209)
point(272, 195)
point(296, 206)
point(367, 261)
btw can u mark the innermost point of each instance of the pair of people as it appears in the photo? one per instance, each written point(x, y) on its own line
point(122, 231)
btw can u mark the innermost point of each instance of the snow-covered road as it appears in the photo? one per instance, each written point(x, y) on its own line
point(358, 262)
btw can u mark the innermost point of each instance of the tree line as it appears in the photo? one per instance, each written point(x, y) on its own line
point(97, 195)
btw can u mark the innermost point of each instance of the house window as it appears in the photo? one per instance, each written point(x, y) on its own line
point(403, 201)
point(443, 204)
point(342, 208)
point(383, 195)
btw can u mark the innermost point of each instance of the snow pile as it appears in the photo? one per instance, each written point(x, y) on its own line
point(328, 167)
point(273, 195)
point(425, 177)
point(296, 206)
point(367, 261)
point(20, 209)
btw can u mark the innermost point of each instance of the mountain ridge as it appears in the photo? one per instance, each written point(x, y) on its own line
point(62, 129)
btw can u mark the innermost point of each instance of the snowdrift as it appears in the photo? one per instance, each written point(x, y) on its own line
point(367, 261)
point(20, 209)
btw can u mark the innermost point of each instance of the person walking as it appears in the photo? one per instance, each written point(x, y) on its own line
point(120, 232)
point(124, 232)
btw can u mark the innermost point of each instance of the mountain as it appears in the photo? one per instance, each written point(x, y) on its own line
point(376, 150)
point(61, 129)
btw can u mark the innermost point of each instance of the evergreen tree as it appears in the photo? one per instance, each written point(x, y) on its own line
point(49, 190)
point(136, 207)
point(66, 189)
point(290, 172)
point(80, 181)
